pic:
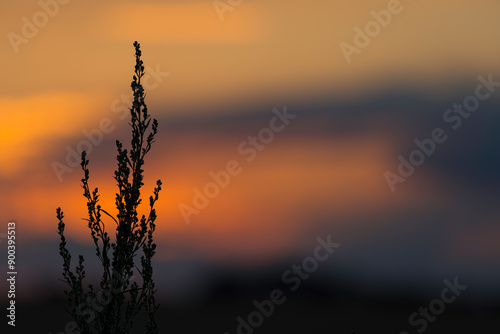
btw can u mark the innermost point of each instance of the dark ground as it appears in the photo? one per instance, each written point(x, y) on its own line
point(304, 312)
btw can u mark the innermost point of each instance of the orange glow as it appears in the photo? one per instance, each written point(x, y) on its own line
point(260, 214)
point(29, 123)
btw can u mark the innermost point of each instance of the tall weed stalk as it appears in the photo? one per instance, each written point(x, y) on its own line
point(111, 309)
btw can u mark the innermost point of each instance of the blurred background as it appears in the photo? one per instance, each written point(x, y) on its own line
point(215, 72)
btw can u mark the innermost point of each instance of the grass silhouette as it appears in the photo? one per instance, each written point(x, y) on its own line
point(113, 308)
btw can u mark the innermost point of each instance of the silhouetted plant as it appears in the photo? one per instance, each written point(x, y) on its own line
point(113, 309)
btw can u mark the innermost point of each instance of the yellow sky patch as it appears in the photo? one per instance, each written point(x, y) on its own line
point(179, 23)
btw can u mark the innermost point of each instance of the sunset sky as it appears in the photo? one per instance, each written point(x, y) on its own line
point(212, 83)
